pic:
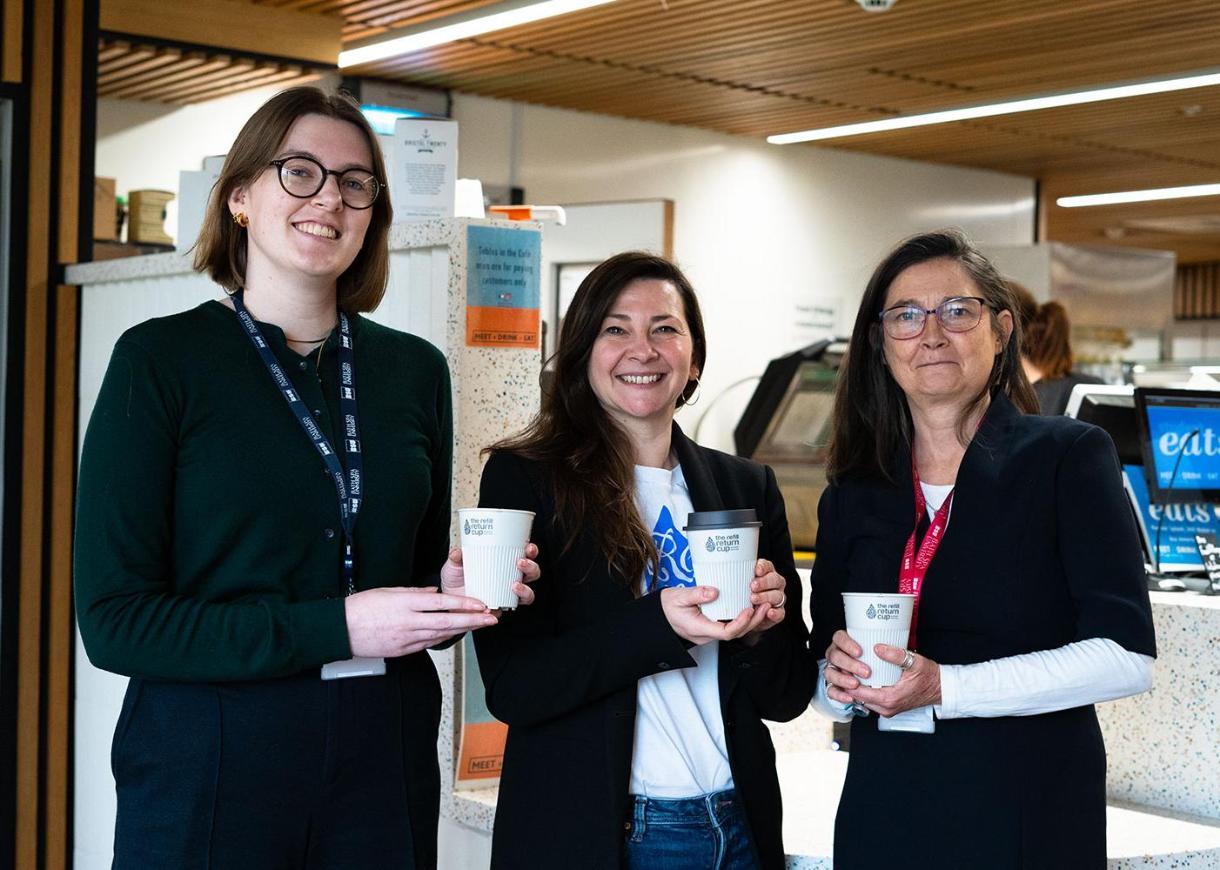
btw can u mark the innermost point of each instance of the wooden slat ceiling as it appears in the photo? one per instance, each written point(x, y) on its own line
point(756, 67)
point(139, 71)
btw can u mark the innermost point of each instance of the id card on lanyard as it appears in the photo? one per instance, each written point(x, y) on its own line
point(348, 482)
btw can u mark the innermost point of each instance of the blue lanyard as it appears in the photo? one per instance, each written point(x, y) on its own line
point(348, 487)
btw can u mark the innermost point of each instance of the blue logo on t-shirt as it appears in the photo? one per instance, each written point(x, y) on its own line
point(674, 552)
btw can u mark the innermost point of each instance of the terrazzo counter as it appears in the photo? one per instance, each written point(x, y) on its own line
point(1163, 747)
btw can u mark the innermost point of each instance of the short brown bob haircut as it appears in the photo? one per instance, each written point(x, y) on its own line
point(221, 248)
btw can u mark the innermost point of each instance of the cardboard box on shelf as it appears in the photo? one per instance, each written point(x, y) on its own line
point(146, 217)
point(105, 217)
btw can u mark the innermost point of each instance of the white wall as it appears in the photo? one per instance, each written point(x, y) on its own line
point(759, 228)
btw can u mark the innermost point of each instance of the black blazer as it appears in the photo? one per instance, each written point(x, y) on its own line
point(562, 673)
point(1040, 551)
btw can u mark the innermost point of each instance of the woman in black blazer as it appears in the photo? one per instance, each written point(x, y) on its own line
point(1031, 609)
point(635, 723)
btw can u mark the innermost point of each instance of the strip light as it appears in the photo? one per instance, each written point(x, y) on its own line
point(1032, 104)
point(1139, 195)
point(462, 26)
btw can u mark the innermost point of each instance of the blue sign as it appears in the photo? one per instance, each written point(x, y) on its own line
point(1179, 523)
point(1192, 433)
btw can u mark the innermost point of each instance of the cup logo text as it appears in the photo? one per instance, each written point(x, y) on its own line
point(730, 543)
point(479, 526)
point(884, 611)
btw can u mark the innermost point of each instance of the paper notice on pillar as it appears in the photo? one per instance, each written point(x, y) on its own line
point(813, 319)
point(502, 287)
point(423, 168)
point(481, 738)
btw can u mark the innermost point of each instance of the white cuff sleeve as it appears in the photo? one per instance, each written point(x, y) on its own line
point(1086, 672)
point(821, 703)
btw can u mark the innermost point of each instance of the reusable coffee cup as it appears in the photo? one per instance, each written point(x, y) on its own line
point(879, 617)
point(492, 542)
point(723, 551)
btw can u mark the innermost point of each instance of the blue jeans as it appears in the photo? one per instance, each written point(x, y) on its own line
point(703, 833)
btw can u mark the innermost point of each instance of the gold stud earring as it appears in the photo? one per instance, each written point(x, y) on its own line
point(239, 218)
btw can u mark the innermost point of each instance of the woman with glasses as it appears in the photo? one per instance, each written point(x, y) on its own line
point(263, 511)
point(1014, 535)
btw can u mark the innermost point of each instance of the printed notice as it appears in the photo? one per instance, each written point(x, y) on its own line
point(503, 288)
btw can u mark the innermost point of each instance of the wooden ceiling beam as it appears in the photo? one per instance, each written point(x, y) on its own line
point(229, 25)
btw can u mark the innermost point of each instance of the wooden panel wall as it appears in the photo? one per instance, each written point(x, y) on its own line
point(48, 63)
point(1197, 291)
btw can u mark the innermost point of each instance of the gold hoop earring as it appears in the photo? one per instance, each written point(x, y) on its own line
point(239, 218)
point(692, 399)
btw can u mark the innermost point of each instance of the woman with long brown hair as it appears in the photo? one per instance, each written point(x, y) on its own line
point(1013, 533)
point(635, 723)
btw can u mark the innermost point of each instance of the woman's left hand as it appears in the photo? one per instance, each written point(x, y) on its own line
point(453, 578)
point(918, 686)
point(769, 599)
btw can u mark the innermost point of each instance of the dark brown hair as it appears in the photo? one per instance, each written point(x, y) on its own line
point(872, 421)
point(1045, 333)
point(589, 457)
point(221, 249)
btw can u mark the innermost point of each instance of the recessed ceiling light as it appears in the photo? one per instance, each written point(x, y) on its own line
point(1031, 104)
point(1139, 195)
point(497, 16)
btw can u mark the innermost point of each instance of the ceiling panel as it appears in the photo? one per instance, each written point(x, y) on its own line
point(757, 67)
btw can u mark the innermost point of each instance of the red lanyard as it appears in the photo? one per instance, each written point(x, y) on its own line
point(915, 565)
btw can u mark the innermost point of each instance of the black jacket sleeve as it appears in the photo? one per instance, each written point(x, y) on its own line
point(826, 580)
point(534, 668)
point(1099, 546)
point(779, 673)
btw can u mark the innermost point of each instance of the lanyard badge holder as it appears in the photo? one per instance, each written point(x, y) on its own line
point(348, 486)
point(915, 566)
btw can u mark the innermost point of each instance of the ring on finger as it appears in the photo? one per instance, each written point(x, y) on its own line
point(783, 599)
point(908, 660)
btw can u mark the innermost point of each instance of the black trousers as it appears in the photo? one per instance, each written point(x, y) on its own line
point(290, 774)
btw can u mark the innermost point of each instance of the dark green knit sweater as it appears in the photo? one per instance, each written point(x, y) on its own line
point(208, 538)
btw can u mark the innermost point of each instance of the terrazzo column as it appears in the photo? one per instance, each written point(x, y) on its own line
point(495, 393)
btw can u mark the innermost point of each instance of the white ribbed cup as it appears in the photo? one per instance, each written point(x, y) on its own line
point(725, 559)
point(879, 617)
point(492, 542)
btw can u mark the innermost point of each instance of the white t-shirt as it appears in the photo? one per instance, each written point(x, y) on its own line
point(680, 750)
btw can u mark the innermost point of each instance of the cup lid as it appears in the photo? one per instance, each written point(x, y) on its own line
point(704, 520)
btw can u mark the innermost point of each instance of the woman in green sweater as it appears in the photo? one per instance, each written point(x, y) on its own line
point(263, 510)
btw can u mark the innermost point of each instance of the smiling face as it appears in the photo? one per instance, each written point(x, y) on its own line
point(941, 367)
point(313, 239)
point(642, 358)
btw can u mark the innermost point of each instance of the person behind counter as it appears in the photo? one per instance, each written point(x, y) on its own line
point(635, 723)
point(238, 554)
point(1046, 350)
point(1031, 597)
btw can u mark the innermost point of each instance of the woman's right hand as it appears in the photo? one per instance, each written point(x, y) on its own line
point(844, 668)
point(681, 607)
point(399, 620)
